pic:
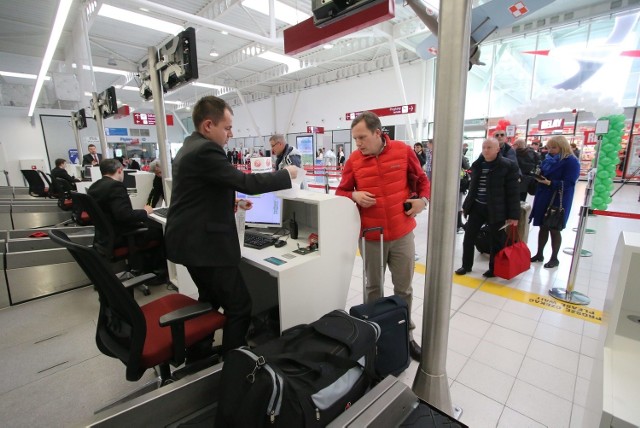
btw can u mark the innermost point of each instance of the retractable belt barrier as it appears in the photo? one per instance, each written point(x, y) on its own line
point(617, 214)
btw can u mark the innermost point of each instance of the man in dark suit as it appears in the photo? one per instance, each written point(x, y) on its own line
point(60, 172)
point(92, 158)
point(201, 229)
point(111, 195)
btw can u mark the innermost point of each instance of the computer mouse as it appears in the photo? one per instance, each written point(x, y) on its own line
point(280, 243)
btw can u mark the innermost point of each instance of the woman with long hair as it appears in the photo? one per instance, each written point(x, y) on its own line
point(560, 170)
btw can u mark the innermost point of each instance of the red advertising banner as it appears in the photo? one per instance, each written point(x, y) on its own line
point(590, 138)
point(315, 129)
point(386, 111)
point(149, 119)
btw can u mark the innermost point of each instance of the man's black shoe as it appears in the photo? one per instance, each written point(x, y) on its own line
point(462, 271)
point(414, 350)
point(488, 274)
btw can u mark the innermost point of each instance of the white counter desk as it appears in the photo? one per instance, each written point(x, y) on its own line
point(306, 286)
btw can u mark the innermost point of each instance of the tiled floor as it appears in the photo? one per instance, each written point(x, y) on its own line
point(509, 363)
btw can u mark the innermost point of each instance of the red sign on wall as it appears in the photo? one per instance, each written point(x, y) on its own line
point(315, 129)
point(590, 138)
point(386, 111)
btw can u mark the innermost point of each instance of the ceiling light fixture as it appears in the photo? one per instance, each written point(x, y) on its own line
point(207, 85)
point(22, 75)
point(284, 13)
point(97, 69)
point(135, 18)
point(56, 32)
point(224, 33)
point(292, 63)
point(213, 52)
point(327, 46)
point(177, 103)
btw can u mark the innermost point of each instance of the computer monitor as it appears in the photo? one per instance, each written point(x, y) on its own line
point(130, 179)
point(266, 210)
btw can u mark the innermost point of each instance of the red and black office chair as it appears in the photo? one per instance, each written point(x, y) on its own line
point(105, 241)
point(156, 335)
point(63, 189)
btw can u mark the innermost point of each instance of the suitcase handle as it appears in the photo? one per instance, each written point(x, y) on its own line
point(364, 271)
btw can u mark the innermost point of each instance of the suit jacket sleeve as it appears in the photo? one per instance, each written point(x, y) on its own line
point(216, 170)
point(121, 208)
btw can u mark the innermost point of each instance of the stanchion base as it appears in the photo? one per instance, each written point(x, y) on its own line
point(583, 253)
point(586, 231)
point(573, 297)
point(457, 412)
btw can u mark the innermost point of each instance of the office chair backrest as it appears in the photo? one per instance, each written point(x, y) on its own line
point(63, 189)
point(121, 329)
point(37, 187)
point(104, 234)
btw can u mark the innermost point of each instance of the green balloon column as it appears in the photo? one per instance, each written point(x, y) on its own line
point(607, 161)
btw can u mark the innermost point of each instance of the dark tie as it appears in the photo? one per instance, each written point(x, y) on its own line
point(95, 158)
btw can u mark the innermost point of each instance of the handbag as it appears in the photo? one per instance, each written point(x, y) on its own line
point(554, 215)
point(514, 258)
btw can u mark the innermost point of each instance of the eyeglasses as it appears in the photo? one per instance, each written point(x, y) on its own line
point(498, 135)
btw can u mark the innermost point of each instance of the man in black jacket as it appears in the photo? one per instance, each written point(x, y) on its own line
point(60, 172)
point(493, 199)
point(111, 195)
point(201, 228)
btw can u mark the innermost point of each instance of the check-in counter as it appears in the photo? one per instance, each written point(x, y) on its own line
point(5, 214)
point(37, 267)
point(4, 290)
point(23, 193)
point(37, 213)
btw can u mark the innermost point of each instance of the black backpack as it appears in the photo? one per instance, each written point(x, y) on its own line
point(305, 378)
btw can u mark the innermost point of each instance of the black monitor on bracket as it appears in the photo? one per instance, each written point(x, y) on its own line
point(79, 119)
point(179, 59)
point(107, 102)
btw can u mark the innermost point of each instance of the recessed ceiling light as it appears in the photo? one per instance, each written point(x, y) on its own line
point(224, 32)
point(22, 75)
point(284, 13)
point(207, 85)
point(214, 53)
point(135, 18)
point(327, 46)
point(177, 103)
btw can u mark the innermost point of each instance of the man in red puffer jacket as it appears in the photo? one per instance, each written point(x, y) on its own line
point(380, 177)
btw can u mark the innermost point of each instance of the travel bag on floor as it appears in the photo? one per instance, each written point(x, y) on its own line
point(304, 378)
point(392, 315)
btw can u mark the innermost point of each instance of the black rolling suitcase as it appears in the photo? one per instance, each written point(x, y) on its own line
point(392, 315)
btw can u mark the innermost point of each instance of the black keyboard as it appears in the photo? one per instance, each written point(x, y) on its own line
point(162, 212)
point(258, 240)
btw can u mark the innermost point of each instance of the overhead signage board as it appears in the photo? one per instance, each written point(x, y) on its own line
point(386, 111)
point(550, 124)
point(144, 119)
point(149, 119)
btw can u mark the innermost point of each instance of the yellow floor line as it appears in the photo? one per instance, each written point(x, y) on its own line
point(533, 299)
